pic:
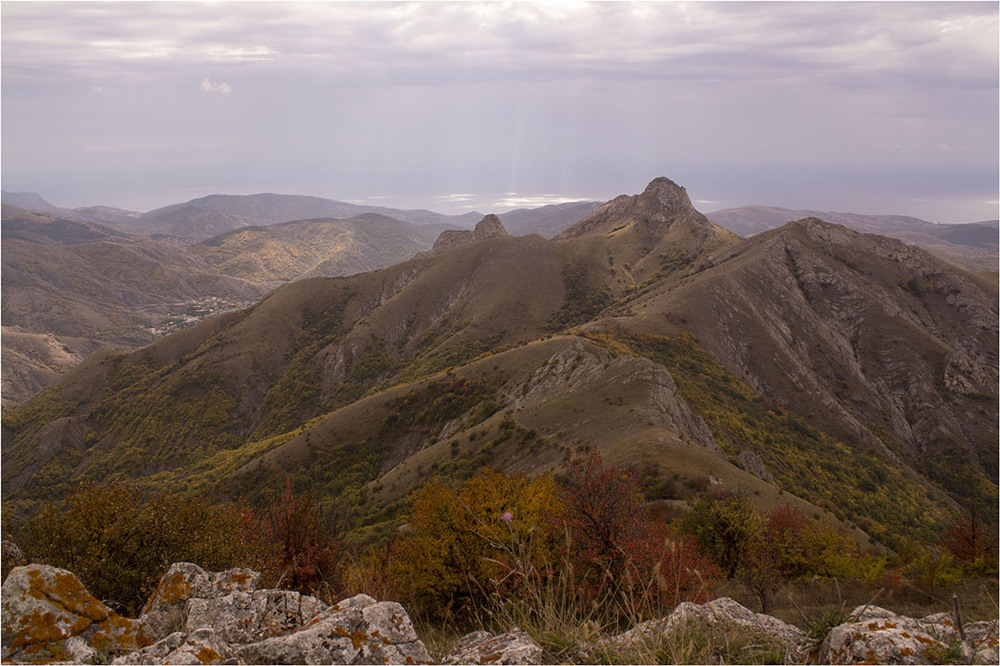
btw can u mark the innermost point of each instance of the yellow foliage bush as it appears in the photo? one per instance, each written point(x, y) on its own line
point(485, 538)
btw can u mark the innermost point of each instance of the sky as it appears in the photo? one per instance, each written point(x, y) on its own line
point(870, 107)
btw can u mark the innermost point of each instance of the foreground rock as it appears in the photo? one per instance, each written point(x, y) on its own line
point(719, 612)
point(877, 635)
point(482, 647)
point(358, 630)
point(197, 617)
point(166, 610)
point(48, 615)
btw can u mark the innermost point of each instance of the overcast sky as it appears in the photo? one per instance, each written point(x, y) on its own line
point(863, 107)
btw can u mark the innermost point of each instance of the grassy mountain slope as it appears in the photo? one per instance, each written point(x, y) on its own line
point(874, 341)
point(314, 248)
point(809, 364)
point(75, 279)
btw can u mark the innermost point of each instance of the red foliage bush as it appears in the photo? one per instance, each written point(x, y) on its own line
point(303, 553)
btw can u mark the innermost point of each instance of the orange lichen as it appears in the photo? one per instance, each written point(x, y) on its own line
point(358, 638)
point(67, 592)
point(173, 589)
point(207, 655)
point(242, 579)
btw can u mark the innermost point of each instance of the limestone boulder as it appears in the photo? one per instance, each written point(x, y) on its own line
point(201, 646)
point(358, 630)
point(48, 615)
point(482, 647)
point(165, 610)
point(247, 617)
point(723, 611)
point(879, 635)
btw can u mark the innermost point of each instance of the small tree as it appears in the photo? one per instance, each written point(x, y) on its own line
point(972, 542)
point(604, 512)
point(304, 551)
point(725, 527)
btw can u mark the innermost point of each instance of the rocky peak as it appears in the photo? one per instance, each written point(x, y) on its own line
point(660, 202)
point(665, 196)
point(488, 227)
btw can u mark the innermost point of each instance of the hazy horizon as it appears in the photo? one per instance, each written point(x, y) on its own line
point(870, 107)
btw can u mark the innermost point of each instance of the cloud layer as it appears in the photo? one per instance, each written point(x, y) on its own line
point(860, 106)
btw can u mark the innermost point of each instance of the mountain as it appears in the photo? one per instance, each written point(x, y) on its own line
point(314, 248)
point(489, 227)
point(973, 246)
point(29, 200)
point(49, 229)
point(209, 216)
point(80, 284)
point(548, 220)
point(104, 215)
point(809, 365)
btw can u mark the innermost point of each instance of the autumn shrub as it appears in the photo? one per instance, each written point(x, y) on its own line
point(725, 527)
point(766, 550)
point(119, 543)
point(490, 537)
point(300, 546)
point(622, 559)
point(972, 543)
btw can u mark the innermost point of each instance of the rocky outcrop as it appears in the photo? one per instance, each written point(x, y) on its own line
point(221, 618)
point(877, 635)
point(723, 611)
point(12, 556)
point(48, 615)
point(482, 647)
point(488, 227)
point(166, 611)
point(358, 630)
point(198, 617)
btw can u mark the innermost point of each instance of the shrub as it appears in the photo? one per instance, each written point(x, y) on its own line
point(972, 543)
point(300, 546)
point(119, 543)
point(489, 537)
point(622, 557)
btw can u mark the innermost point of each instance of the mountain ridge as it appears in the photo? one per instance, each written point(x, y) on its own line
point(828, 362)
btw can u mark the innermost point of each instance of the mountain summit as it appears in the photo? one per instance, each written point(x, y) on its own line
point(489, 227)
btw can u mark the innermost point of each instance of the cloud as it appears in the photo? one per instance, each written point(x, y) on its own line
point(513, 200)
point(208, 86)
point(454, 198)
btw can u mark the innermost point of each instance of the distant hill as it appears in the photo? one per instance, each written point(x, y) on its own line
point(31, 201)
point(315, 248)
point(79, 284)
point(809, 365)
point(104, 215)
point(972, 246)
point(209, 216)
point(548, 220)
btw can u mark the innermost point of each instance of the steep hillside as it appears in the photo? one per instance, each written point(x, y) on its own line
point(32, 361)
point(314, 248)
point(49, 229)
point(853, 376)
point(871, 340)
point(73, 279)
